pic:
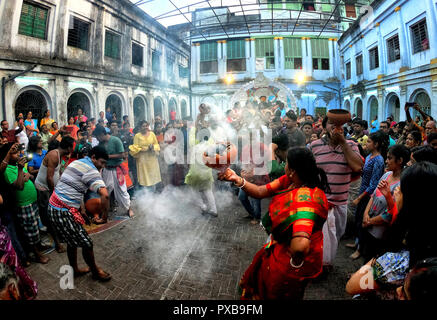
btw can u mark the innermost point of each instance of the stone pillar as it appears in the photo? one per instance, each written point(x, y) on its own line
point(7, 9)
point(308, 59)
point(405, 57)
point(281, 58)
point(150, 111)
point(100, 98)
point(431, 21)
point(195, 62)
point(381, 50)
point(434, 88)
point(60, 101)
point(248, 60)
point(149, 57)
point(99, 45)
point(62, 22)
point(331, 58)
point(224, 57)
point(277, 55)
point(252, 58)
point(403, 98)
point(381, 105)
point(304, 57)
point(130, 104)
point(221, 59)
point(163, 64)
point(126, 50)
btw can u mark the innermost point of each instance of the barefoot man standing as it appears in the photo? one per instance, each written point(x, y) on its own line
point(64, 206)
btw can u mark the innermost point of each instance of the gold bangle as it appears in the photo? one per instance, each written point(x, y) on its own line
point(244, 183)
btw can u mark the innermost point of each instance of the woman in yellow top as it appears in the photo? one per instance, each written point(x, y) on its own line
point(46, 120)
point(145, 150)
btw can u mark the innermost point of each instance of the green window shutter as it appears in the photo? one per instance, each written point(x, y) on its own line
point(293, 47)
point(264, 47)
point(293, 4)
point(116, 47)
point(108, 44)
point(320, 48)
point(236, 49)
point(33, 21)
point(40, 23)
point(208, 51)
point(26, 20)
point(292, 50)
point(259, 48)
point(112, 45)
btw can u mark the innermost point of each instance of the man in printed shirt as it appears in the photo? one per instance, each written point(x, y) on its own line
point(64, 206)
point(359, 126)
point(339, 158)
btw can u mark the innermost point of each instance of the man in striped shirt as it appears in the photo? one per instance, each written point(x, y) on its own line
point(64, 205)
point(339, 158)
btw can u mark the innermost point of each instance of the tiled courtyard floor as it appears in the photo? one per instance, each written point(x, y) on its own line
point(170, 251)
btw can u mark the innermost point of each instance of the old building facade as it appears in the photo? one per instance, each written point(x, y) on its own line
point(390, 58)
point(91, 54)
point(285, 41)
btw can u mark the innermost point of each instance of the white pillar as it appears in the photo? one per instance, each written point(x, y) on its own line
point(224, 58)
point(130, 104)
point(309, 57)
point(195, 62)
point(151, 111)
point(431, 20)
point(381, 107)
point(220, 61)
point(381, 51)
point(281, 57)
point(405, 57)
point(305, 58)
point(248, 58)
point(252, 58)
point(331, 58)
point(433, 97)
point(403, 98)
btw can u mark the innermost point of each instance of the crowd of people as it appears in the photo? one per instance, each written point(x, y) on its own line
point(367, 183)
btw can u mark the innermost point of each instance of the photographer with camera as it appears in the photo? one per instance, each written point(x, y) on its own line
point(17, 176)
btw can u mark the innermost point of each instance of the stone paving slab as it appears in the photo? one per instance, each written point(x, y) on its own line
point(194, 257)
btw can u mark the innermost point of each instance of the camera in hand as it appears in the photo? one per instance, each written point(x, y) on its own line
point(411, 104)
point(21, 147)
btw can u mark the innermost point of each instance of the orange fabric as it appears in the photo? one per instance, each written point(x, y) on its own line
point(270, 275)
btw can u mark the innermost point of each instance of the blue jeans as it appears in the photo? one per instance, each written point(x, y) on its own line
point(252, 205)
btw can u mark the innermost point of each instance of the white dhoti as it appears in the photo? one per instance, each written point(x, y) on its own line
point(120, 191)
point(333, 230)
point(206, 201)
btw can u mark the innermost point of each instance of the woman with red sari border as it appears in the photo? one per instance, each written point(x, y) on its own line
point(297, 212)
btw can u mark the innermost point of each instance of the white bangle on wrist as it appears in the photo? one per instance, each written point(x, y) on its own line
point(244, 183)
point(294, 266)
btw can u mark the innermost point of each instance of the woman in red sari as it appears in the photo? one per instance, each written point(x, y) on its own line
point(297, 212)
